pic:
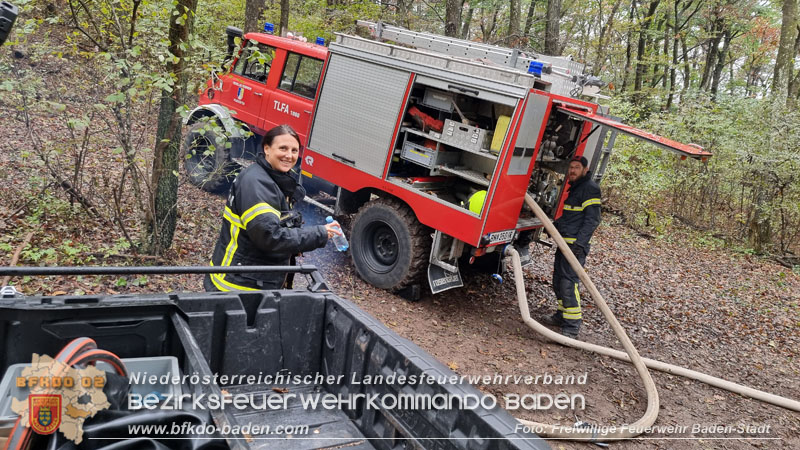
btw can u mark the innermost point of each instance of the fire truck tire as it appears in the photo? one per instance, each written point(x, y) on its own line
point(210, 172)
point(390, 248)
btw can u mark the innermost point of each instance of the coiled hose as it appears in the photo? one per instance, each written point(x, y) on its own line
point(630, 354)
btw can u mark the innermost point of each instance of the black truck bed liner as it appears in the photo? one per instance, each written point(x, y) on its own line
point(260, 333)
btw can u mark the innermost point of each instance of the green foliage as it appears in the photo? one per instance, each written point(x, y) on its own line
point(315, 18)
point(749, 189)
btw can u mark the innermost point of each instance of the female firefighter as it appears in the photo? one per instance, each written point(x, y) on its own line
point(260, 226)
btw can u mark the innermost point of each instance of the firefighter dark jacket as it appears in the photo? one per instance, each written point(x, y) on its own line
point(581, 213)
point(261, 227)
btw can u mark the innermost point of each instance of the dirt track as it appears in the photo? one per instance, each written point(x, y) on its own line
point(728, 315)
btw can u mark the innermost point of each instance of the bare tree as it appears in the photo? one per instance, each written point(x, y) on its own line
point(452, 17)
point(601, 38)
point(253, 10)
point(513, 23)
point(641, 66)
point(552, 46)
point(785, 58)
point(467, 22)
point(284, 25)
point(161, 226)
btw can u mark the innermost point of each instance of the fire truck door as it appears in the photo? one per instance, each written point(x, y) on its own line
point(691, 151)
point(293, 101)
point(249, 89)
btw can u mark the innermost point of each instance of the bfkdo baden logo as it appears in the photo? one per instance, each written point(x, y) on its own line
point(60, 397)
point(45, 412)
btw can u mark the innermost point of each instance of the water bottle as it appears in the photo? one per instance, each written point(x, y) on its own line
point(338, 239)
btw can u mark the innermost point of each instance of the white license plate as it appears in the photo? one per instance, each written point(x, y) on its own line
point(501, 236)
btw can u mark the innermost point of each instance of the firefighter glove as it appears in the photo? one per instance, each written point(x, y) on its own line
point(578, 251)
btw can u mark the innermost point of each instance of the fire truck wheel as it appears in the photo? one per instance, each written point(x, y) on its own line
point(390, 247)
point(207, 159)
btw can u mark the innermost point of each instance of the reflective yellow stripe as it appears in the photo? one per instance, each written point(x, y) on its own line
point(232, 246)
point(220, 287)
point(256, 210)
point(591, 201)
point(219, 281)
point(232, 218)
point(574, 312)
point(237, 224)
point(223, 285)
point(570, 240)
point(560, 305)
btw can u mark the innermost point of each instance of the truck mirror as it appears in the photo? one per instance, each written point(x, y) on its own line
point(232, 33)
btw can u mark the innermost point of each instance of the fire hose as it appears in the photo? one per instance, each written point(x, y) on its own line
point(630, 354)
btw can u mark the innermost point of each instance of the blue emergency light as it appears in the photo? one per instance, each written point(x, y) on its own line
point(320, 41)
point(269, 27)
point(535, 68)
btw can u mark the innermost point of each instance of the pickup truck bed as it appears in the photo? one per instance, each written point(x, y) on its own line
point(268, 332)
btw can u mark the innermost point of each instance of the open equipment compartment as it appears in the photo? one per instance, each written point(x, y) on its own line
point(450, 139)
point(266, 332)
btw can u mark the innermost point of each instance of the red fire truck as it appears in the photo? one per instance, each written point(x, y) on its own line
point(432, 142)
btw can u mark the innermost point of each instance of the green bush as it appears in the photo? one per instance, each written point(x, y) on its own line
point(748, 190)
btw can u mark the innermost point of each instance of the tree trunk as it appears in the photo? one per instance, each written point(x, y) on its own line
point(552, 46)
point(687, 67)
point(731, 74)
point(161, 227)
point(665, 75)
point(712, 54)
point(641, 67)
point(673, 76)
point(529, 17)
point(721, 57)
point(656, 56)
point(253, 10)
point(403, 7)
point(785, 58)
point(467, 23)
point(513, 23)
point(284, 24)
point(601, 44)
point(794, 84)
point(452, 17)
point(487, 30)
point(628, 46)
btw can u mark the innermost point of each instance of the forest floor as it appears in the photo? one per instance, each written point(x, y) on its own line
point(681, 299)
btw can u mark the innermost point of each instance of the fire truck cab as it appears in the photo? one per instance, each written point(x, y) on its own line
point(432, 145)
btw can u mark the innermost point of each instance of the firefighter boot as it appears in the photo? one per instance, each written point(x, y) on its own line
point(570, 332)
point(553, 320)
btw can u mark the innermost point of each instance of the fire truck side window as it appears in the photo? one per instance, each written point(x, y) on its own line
point(255, 62)
point(301, 75)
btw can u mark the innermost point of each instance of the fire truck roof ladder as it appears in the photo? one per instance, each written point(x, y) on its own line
point(374, 50)
point(562, 73)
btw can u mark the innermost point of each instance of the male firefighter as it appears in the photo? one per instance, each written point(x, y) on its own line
point(579, 219)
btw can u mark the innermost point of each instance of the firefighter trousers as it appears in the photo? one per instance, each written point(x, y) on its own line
point(565, 286)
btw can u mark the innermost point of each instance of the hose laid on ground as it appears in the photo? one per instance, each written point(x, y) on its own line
point(557, 431)
point(630, 354)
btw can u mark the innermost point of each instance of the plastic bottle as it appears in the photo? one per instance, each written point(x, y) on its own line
point(338, 239)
